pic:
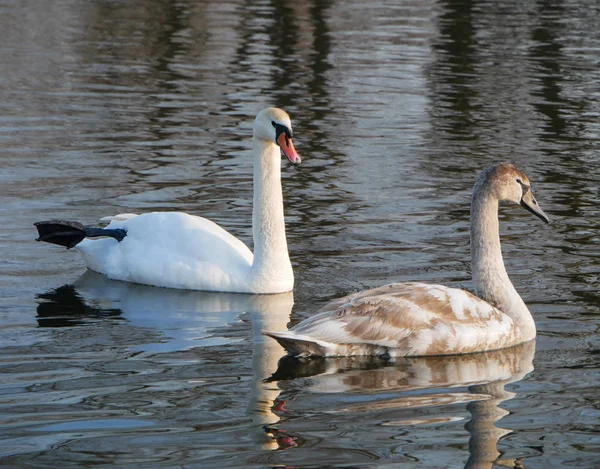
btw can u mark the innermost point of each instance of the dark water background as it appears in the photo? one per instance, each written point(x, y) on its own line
point(109, 106)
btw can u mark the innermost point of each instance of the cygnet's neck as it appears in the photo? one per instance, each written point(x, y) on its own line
point(271, 258)
point(489, 274)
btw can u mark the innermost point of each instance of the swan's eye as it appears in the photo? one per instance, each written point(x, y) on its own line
point(519, 181)
point(281, 129)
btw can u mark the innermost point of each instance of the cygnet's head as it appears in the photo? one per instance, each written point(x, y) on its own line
point(274, 125)
point(506, 182)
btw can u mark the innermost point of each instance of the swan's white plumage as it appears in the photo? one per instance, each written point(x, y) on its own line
point(415, 319)
point(178, 250)
point(172, 249)
point(119, 217)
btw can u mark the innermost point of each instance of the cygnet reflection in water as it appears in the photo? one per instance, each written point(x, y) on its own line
point(368, 381)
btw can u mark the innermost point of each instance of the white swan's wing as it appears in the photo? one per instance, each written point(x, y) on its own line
point(171, 249)
point(406, 319)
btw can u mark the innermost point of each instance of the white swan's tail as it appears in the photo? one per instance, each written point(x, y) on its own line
point(299, 346)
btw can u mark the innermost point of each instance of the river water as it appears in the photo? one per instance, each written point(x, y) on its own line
point(109, 107)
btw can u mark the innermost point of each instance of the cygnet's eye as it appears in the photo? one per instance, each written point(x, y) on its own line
point(524, 186)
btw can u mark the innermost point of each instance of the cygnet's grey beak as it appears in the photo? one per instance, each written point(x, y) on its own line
point(530, 204)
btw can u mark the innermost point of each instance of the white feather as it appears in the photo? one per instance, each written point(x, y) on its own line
point(177, 250)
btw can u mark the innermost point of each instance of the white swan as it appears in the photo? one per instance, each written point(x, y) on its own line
point(178, 250)
point(414, 319)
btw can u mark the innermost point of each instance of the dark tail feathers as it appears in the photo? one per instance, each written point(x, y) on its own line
point(70, 233)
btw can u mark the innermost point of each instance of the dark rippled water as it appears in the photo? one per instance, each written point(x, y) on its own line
point(109, 107)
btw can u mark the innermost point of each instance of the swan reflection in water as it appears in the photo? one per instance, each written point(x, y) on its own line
point(484, 375)
point(183, 319)
point(179, 320)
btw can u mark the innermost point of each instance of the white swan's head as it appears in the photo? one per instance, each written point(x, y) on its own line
point(274, 125)
point(506, 182)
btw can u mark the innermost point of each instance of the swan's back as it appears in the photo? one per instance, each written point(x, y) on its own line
point(402, 319)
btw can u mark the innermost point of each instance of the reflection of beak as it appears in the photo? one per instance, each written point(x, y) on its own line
point(530, 204)
point(288, 148)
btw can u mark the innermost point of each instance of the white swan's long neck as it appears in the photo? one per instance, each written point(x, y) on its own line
point(489, 274)
point(271, 258)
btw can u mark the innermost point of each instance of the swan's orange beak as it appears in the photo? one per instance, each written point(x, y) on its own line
point(288, 148)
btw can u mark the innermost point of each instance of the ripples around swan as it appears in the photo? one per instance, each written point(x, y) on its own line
point(118, 107)
point(159, 377)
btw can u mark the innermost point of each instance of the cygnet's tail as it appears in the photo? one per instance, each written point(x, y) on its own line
point(71, 233)
point(299, 346)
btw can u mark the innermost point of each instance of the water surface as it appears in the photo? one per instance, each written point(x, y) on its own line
point(111, 107)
